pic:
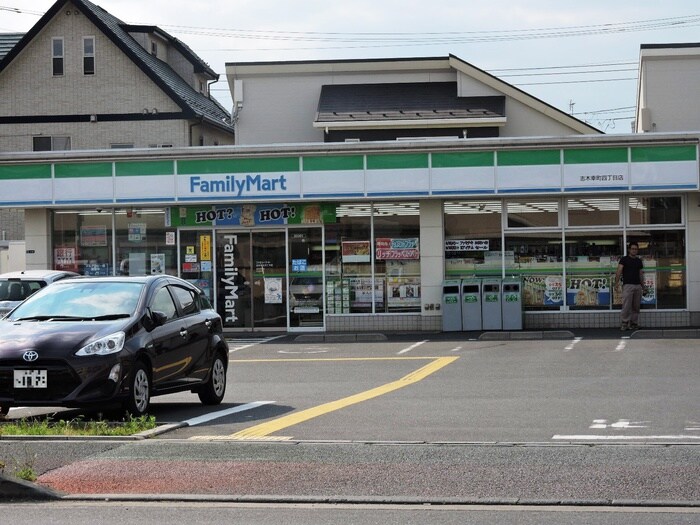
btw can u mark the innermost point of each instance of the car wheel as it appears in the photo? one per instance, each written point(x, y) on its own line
point(139, 391)
point(3, 411)
point(212, 393)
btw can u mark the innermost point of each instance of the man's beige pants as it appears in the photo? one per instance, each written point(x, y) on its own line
point(631, 302)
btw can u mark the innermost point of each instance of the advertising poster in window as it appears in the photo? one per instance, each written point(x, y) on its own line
point(273, 290)
point(157, 263)
point(137, 231)
point(64, 259)
point(355, 251)
point(403, 292)
point(361, 292)
point(93, 236)
point(543, 290)
point(388, 248)
point(588, 290)
point(648, 290)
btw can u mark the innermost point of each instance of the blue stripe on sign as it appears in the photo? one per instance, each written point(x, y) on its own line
point(462, 192)
point(605, 188)
point(396, 193)
point(667, 187)
point(229, 198)
point(331, 195)
point(530, 190)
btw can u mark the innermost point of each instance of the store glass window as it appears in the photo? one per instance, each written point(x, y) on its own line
point(655, 210)
point(591, 262)
point(82, 241)
point(593, 211)
point(663, 255)
point(397, 256)
point(144, 245)
point(348, 246)
point(537, 259)
point(472, 238)
point(533, 213)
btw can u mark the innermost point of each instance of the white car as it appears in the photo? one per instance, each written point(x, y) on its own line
point(15, 287)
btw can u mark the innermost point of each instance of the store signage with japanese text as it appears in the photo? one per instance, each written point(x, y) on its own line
point(388, 248)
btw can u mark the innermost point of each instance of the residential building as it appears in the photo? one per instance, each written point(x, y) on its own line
point(83, 79)
point(668, 88)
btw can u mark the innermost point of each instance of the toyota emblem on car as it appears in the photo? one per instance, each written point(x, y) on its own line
point(30, 355)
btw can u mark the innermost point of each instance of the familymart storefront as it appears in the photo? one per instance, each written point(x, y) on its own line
point(358, 237)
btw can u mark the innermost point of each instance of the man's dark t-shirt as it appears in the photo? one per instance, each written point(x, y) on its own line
point(631, 267)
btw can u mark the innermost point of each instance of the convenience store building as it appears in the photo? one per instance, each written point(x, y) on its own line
point(360, 236)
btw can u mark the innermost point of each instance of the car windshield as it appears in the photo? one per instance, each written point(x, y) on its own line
point(81, 300)
point(16, 290)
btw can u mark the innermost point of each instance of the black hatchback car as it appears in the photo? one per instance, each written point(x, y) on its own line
point(94, 342)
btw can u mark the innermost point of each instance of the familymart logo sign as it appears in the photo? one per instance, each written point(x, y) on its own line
point(238, 185)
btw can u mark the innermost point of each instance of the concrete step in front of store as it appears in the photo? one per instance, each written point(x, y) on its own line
point(339, 338)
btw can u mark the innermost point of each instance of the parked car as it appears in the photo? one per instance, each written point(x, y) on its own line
point(15, 287)
point(96, 342)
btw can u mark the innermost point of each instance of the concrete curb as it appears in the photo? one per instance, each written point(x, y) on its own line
point(525, 336)
point(12, 488)
point(382, 500)
point(339, 338)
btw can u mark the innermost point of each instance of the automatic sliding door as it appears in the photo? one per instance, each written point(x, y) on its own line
point(269, 279)
point(306, 278)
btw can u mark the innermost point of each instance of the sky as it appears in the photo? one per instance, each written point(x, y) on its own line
point(580, 57)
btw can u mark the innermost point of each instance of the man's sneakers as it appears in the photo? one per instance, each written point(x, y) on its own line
point(624, 327)
point(629, 326)
point(634, 326)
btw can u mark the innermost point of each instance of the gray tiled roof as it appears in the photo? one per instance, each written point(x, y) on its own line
point(403, 101)
point(191, 98)
point(8, 41)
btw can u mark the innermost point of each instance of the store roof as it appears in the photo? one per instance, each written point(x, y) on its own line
point(408, 101)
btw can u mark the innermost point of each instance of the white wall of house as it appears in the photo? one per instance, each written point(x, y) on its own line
point(118, 86)
point(669, 89)
point(280, 102)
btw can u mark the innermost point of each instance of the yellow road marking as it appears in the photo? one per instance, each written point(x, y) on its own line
point(265, 429)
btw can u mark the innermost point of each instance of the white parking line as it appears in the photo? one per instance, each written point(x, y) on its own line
point(223, 413)
point(572, 344)
point(621, 346)
point(414, 345)
point(593, 437)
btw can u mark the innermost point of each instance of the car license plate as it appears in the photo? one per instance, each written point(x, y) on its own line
point(31, 378)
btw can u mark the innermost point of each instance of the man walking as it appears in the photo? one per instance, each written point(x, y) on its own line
point(630, 269)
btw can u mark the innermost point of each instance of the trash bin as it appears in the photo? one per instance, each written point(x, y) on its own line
point(451, 307)
point(471, 304)
point(512, 304)
point(491, 313)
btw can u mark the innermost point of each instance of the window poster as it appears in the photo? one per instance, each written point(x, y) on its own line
point(588, 290)
point(355, 251)
point(157, 263)
point(137, 231)
point(93, 236)
point(273, 290)
point(543, 290)
point(403, 292)
point(648, 290)
point(64, 258)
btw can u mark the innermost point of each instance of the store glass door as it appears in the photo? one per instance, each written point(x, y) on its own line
point(251, 279)
point(306, 260)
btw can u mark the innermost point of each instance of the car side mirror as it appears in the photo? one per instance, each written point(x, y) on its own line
point(154, 319)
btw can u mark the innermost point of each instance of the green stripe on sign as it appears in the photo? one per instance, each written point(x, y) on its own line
point(267, 165)
point(595, 155)
point(388, 162)
point(529, 157)
point(71, 171)
point(158, 167)
point(340, 163)
point(664, 153)
point(475, 159)
point(37, 171)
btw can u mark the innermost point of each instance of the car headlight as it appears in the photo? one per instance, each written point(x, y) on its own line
point(110, 344)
